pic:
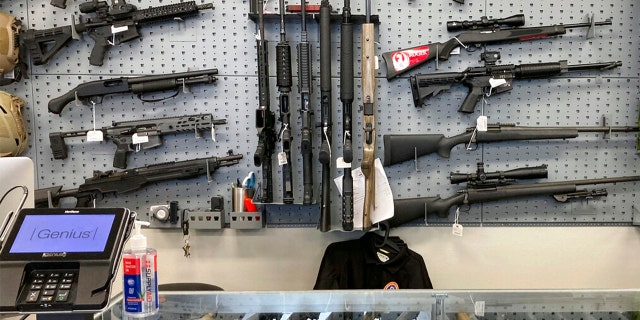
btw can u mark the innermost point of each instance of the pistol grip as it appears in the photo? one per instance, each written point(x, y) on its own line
point(120, 158)
point(469, 103)
point(99, 51)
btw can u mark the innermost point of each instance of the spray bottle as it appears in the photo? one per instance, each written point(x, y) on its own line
point(140, 276)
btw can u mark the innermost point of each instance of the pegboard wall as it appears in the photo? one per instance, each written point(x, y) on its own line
point(224, 38)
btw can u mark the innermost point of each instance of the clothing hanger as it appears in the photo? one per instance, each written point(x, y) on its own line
point(386, 242)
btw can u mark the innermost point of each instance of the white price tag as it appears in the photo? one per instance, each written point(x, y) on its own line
point(377, 64)
point(340, 164)
point(115, 29)
point(282, 158)
point(497, 82)
point(94, 136)
point(478, 308)
point(136, 139)
point(481, 123)
point(457, 230)
point(456, 51)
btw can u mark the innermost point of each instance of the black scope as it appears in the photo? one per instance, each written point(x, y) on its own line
point(481, 177)
point(486, 23)
point(92, 6)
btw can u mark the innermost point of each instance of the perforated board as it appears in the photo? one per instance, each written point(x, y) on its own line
point(223, 38)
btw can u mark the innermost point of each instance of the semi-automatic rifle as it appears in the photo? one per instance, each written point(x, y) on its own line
point(284, 82)
point(108, 26)
point(304, 87)
point(482, 32)
point(502, 188)
point(346, 96)
point(404, 147)
point(138, 134)
point(492, 79)
point(324, 156)
point(265, 118)
point(129, 180)
point(94, 91)
point(369, 121)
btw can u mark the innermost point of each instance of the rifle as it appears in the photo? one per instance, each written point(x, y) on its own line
point(368, 98)
point(265, 118)
point(148, 134)
point(492, 79)
point(403, 147)
point(283, 70)
point(407, 210)
point(346, 96)
point(94, 91)
point(401, 61)
point(109, 26)
point(324, 156)
point(134, 179)
point(304, 86)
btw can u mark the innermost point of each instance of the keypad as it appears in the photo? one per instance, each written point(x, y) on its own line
point(49, 287)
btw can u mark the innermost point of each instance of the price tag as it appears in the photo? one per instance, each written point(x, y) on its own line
point(457, 230)
point(340, 164)
point(478, 308)
point(456, 51)
point(282, 158)
point(115, 29)
point(481, 123)
point(94, 136)
point(136, 139)
point(376, 63)
point(497, 82)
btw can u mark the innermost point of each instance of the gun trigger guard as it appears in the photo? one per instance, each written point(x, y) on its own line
point(159, 99)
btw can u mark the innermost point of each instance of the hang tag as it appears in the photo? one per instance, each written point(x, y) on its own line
point(136, 139)
point(481, 123)
point(340, 164)
point(456, 51)
point(497, 82)
point(376, 63)
point(478, 308)
point(115, 29)
point(282, 158)
point(95, 136)
point(457, 230)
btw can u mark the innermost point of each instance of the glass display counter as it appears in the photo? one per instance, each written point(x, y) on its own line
point(393, 305)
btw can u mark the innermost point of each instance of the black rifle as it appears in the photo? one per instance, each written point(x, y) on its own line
point(150, 131)
point(346, 96)
point(134, 179)
point(109, 26)
point(304, 86)
point(324, 156)
point(401, 61)
point(481, 80)
point(407, 210)
point(265, 118)
point(94, 91)
point(284, 82)
point(403, 147)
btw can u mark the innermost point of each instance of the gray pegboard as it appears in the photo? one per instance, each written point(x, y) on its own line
point(224, 38)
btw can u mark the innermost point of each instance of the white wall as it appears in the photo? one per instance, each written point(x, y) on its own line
point(484, 258)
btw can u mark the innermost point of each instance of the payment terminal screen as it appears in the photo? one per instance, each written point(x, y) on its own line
point(63, 233)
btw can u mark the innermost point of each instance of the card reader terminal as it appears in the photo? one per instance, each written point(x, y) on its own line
point(62, 259)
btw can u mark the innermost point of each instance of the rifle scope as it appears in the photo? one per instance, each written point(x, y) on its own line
point(486, 23)
point(481, 176)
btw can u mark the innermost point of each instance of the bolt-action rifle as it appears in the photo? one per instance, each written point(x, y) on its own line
point(265, 118)
point(404, 147)
point(492, 79)
point(496, 31)
point(368, 99)
point(138, 134)
point(109, 26)
point(133, 179)
point(407, 210)
point(94, 91)
point(346, 96)
point(283, 70)
point(324, 156)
